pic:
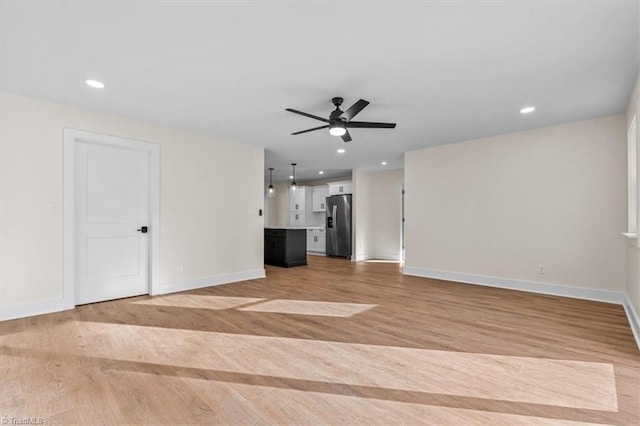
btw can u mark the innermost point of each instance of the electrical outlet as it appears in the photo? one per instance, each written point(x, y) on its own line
point(181, 268)
point(541, 270)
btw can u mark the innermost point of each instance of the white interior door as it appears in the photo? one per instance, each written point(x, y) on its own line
point(111, 206)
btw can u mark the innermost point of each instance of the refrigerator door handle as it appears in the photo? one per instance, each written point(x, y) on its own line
point(335, 210)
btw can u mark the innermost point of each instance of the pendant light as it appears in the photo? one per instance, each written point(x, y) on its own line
point(294, 185)
point(271, 191)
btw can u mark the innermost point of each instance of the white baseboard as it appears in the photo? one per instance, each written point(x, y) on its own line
point(607, 296)
point(634, 319)
point(388, 256)
point(29, 309)
point(196, 283)
point(530, 286)
point(366, 256)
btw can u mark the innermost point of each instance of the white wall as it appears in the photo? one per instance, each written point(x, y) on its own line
point(362, 214)
point(211, 191)
point(632, 287)
point(497, 208)
point(387, 214)
point(377, 213)
point(282, 204)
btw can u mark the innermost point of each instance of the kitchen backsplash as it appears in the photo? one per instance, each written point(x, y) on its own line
point(318, 219)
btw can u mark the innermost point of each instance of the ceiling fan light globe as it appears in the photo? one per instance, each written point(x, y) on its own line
point(337, 131)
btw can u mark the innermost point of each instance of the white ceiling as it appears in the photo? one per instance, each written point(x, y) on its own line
point(444, 71)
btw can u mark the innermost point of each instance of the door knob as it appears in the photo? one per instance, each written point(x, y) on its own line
point(143, 229)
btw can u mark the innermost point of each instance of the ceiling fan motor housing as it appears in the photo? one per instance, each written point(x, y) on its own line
point(336, 113)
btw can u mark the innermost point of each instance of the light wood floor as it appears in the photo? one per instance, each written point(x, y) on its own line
point(335, 342)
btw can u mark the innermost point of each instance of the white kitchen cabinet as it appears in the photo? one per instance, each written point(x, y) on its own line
point(316, 240)
point(300, 206)
point(297, 199)
point(340, 188)
point(320, 194)
point(320, 243)
point(297, 219)
point(310, 242)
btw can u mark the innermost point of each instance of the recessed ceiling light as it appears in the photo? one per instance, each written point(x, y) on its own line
point(290, 177)
point(527, 110)
point(341, 150)
point(95, 84)
point(320, 172)
point(384, 163)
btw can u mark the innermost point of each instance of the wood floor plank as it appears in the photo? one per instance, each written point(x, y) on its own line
point(334, 342)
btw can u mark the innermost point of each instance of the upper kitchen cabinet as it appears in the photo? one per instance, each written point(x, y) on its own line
point(300, 203)
point(300, 199)
point(340, 188)
point(320, 194)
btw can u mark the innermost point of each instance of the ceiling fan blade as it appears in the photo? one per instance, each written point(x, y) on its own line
point(315, 117)
point(355, 109)
point(368, 125)
point(311, 130)
point(346, 137)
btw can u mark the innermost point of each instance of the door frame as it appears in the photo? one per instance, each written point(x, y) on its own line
point(402, 254)
point(70, 138)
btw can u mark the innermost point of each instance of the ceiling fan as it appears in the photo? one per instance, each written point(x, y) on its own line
point(340, 121)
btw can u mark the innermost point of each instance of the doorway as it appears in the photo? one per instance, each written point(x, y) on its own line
point(111, 217)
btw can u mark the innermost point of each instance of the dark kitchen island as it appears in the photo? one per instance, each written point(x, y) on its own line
point(285, 247)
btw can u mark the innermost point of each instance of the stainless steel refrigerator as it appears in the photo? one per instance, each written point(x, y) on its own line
point(338, 231)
